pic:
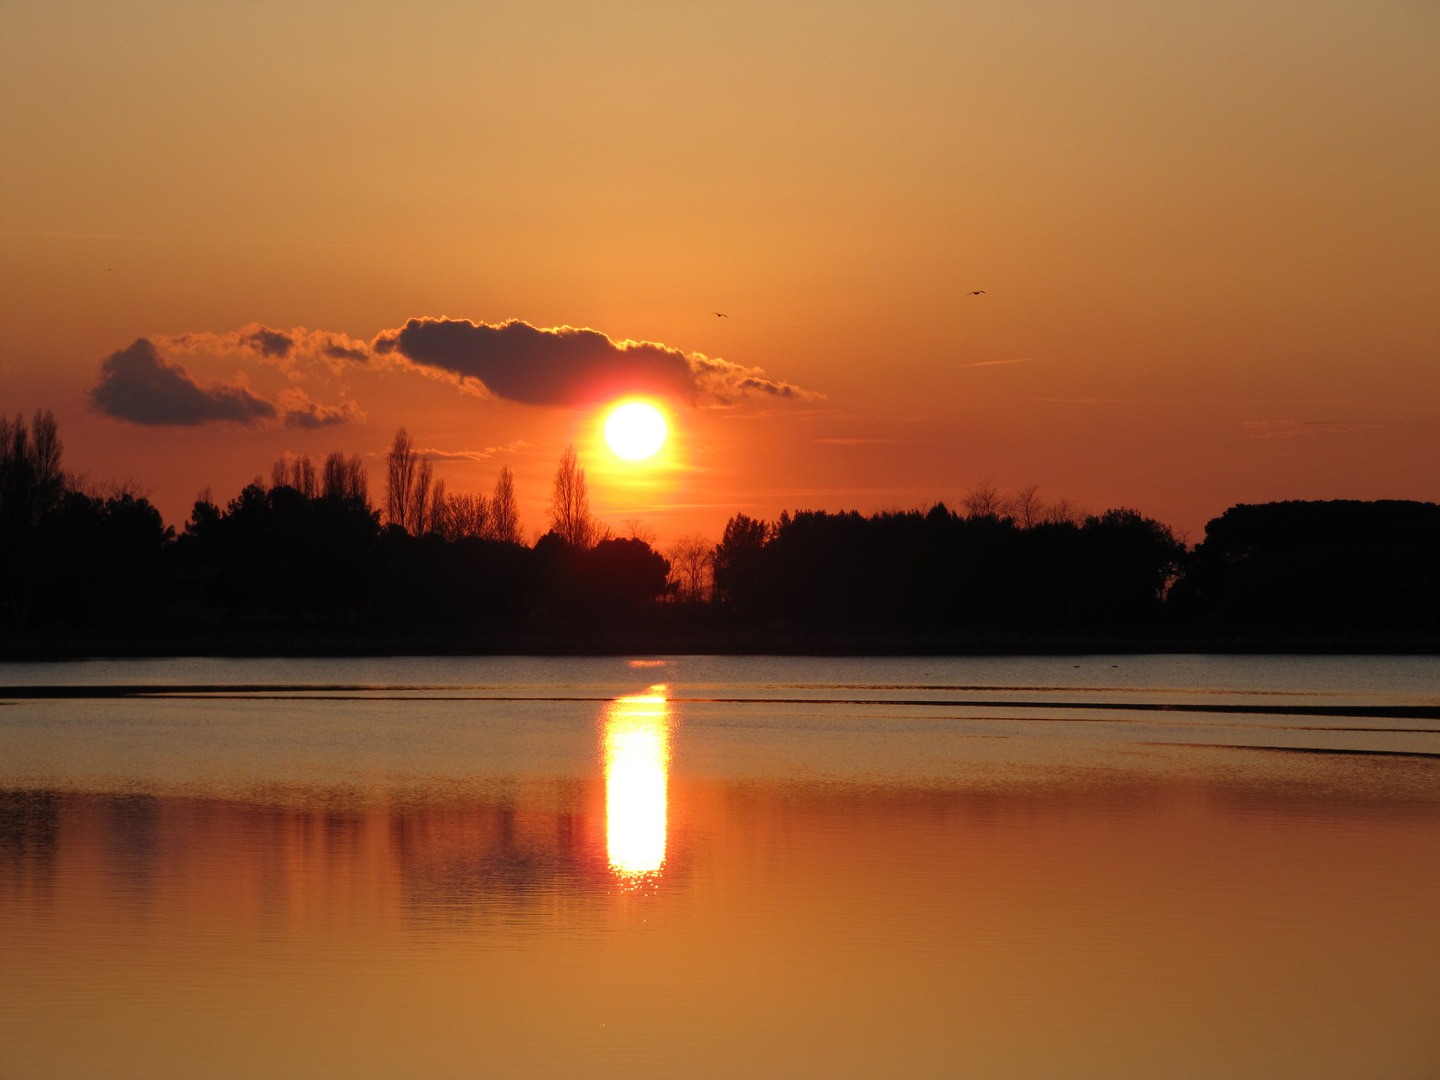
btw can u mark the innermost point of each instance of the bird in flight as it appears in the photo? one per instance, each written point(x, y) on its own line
point(977, 292)
point(721, 315)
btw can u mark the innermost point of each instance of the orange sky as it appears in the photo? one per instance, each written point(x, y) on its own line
point(1207, 234)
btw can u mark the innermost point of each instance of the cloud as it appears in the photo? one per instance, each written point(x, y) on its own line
point(999, 363)
point(1295, 429)
point(566, 365)
point(356, 353)
point(303, 411)
point(474, 455)
point(137, 385)
point(268, 342)
point(554, 366)
point(285, 349)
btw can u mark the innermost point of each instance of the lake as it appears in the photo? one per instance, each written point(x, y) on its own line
point(1108, 867)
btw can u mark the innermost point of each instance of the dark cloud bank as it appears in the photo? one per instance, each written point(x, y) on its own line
point(138, 385)
point(558, 366)
point(569, 366)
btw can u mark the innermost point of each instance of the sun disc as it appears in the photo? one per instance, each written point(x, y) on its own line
point(635, 431)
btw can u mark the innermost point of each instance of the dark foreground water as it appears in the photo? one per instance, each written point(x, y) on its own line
point(721, 867)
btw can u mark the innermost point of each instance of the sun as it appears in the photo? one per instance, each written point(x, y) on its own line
point(635, 431)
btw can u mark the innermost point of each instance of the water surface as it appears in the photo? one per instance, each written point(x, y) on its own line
point(721, 867)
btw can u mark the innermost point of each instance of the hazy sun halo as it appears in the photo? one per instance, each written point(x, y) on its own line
point(635, 431)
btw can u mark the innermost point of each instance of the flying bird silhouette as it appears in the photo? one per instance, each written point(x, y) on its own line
point(721, 315)
point(977, 292)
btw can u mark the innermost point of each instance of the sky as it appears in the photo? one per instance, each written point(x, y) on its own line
point(1207, 236)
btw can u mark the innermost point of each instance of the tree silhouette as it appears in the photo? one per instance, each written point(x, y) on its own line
point(307, 549)
point(570, 506)
point(692, 563)
point(419, 513)
point(31, 486)
point(297, 473)
point(407, 486)
point(399, 478)
point(1026, 507)
point(504, 514)
point(345, 479)
point(459, 516)
point(738, 561)
point(985, 500)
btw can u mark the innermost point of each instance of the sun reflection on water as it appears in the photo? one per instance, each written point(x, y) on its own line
point(637, 766)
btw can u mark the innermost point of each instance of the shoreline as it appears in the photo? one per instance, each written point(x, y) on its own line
point(300, 641)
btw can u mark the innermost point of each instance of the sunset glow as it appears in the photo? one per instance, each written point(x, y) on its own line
point(637, 765)
point(719, 539)
point(635, 431)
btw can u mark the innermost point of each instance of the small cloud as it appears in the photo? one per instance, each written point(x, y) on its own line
point(474, 455)
point(1295, 429)
point(302, 411)
point(998, 363)
point(355, 353)
point(268, 342)
point(137, 385)
point(281, 348)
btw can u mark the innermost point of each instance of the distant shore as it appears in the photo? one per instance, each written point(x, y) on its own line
point(315, 641)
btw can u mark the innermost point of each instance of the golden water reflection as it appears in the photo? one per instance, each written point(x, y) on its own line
point(637, 768)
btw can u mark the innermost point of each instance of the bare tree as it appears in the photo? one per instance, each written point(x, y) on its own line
point(636, 529)
point(692, 566)
point(407, 488)
point(345, 478)
point(357, 480)
point(332, 483)
point(504, 522)
point(304, 476)
point(459, 516)
point(570, 505)
point(437, 517)
point(420, 498)
point(399, 476)
point(985, 500)
point(297, 473)
point(31, 481)
point(1064, 512)
point(1026, 507)
point(31, 486)
point(45, 440)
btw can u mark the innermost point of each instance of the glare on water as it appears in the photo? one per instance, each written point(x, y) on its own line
point(637, 765)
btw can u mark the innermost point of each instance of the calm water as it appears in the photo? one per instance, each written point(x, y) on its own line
point(721, 867)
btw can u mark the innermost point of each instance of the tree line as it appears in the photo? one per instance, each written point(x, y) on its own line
point(308, 546)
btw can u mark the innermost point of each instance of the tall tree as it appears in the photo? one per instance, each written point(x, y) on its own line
point(297, 473)
point(31, 487)
point(504, 515)
point(345, 479)
point(31, 481)
point(736, 564)
point(399, 475)
point(407, 485)
point(421, 518)
point(570, 505)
